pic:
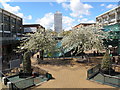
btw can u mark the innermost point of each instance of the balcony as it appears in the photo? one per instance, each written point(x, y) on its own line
point(112, 20)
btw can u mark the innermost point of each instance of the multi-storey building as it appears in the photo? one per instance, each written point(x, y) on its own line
point(110, 17)
point(10, 32)
point(58, 22)
point(31, 28)
point(110, 21)
point(82, 25)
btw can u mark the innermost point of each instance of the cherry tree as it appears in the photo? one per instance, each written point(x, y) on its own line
point(85, 38)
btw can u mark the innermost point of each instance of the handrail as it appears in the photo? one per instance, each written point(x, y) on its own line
point(22, 80)
point(105, 75)
point(93, 72)
point(93, 67)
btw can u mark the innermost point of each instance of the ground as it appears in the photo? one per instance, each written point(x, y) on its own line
point(67, 73)
point(2, 86)
point(68, 76)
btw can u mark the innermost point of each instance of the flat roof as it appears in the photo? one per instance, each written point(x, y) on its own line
point(32, 25)
point(10, 13)
point(84, 24)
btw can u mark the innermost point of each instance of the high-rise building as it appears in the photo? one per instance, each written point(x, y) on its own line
point(58, 21)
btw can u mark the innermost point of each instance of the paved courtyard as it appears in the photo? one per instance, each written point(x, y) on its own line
point(69, 77)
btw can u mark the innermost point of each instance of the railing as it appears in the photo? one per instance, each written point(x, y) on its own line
point(23, 83)
point(28, 82)
point(93, 71)
point(111, 80)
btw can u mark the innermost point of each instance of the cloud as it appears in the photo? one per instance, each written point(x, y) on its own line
point(67, 22)
point(5, 0)
point(102, 5)
point(85, 20)
point(66, 6)
point(111, 6)
point(14, 9)
point(48, 21)
point(29, 17)
point(60, 1)
point(78, 9)
point(51, 4)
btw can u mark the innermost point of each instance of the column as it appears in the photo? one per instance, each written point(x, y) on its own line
point(108, 18)
point(116, 16)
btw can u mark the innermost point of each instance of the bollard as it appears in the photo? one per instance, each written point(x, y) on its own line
point(9, 85)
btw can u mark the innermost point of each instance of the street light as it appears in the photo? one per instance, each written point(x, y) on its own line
point(109, 47)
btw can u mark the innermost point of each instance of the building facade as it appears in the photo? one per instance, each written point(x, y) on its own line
point(58, 22)
point(31, 28)
point(10, 33)
point(109, 18)
point(110, 21)
point(82, 25)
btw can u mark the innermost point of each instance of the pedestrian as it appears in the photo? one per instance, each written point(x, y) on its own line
point(113, 59)
point(94, 53)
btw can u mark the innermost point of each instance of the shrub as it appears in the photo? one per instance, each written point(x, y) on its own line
point(106, 65)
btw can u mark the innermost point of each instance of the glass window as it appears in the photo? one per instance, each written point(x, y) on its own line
point(6, 27)
point(0, 27)
point(6, 18)
point(13, 20)
point(118, 15)
point(0, 17)
point(13, 29)
point(6, 34)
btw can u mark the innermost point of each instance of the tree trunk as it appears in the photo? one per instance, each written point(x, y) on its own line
point(27, 63)
point(41, 53)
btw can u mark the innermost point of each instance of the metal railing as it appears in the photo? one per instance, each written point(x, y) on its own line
point(111, 80)
point(103, 78)
point(93, 71)
point(22, 84)
point(28, 82)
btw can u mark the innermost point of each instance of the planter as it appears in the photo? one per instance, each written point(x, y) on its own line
point(111, 71)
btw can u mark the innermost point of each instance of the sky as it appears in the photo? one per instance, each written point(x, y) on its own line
point(73, 11)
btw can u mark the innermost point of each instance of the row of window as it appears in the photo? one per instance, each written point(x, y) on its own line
point(8, 19)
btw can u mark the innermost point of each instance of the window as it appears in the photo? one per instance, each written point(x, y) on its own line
point(0, 26)
point(0, 17)
point(6, 27)
point(118, 15)
point(112, 17)
point(6, 18)
point(13, 29)
point(13, 20)
point(6, 34)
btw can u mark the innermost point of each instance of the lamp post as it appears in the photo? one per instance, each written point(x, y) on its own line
point(109, 47)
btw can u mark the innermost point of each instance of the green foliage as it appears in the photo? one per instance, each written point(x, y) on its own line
point(106, 63)
point(27, 63)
